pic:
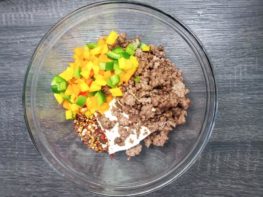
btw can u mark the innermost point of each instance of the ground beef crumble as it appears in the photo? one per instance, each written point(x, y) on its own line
point(134, 151)
point(159, 101)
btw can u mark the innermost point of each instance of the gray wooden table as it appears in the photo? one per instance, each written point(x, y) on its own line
point(232, 33)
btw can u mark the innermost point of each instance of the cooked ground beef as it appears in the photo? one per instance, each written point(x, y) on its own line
point(134, 151)
point(159, 101)
point(105, 122)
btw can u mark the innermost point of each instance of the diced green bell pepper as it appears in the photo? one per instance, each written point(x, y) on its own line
point(109, 66)
point(81, 100)
point(102, 65)
point(137, 79)
point(92, 93)
point(58, 84)
point(106, 66)
point(109, 83)
point(116, 68)
point(66, 97)
point(92, 45)
point(131, 48)
point(125, 55)
point(118, 50)
point(77, 73)
point(113, 55)
point(115, 79)
point(101, 98)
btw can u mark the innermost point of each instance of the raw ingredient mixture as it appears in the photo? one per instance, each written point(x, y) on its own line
point(121, 92)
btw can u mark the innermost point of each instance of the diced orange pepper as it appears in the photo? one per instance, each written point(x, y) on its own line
point(104, 58)
point(92, 104)
point(109, 98)
point(107, 75)
point(91, 73)
point(78, 52)
point(76, 89)
point(89, 81)
point(69, 90)
point(104, 107)
point(83, 93)
point(66, 105)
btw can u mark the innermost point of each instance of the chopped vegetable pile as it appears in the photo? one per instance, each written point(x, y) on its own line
point(95, 68)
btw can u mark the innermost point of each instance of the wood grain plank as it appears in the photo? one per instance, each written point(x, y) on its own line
point(231, 32)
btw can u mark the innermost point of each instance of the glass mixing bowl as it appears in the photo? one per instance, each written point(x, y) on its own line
point(54, 137)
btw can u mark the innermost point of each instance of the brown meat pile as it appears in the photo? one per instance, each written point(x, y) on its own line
point(158, 101)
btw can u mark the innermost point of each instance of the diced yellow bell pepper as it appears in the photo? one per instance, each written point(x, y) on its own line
point(85, 72)
point(106, 75)
point(99, 80)
point(145, 47)
point(83, 87)
point(92, 104)
point(126, 76)
point(134, 61)
point(96, 68)
point(86, 52)
point(79, 52)
point(88, 114)
point(68, 115)
point(101, 41)
point(76, 89)
point(125, 64)
point(104, 58)
point(74, 65)
point(69, 90)
point(88, 102)
point(104, 49)
point(112, 37)
point(94, 87)
point(74, 108)
point(96, 50)
point(116, 92)
point(59, 98)
point(67, 74)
